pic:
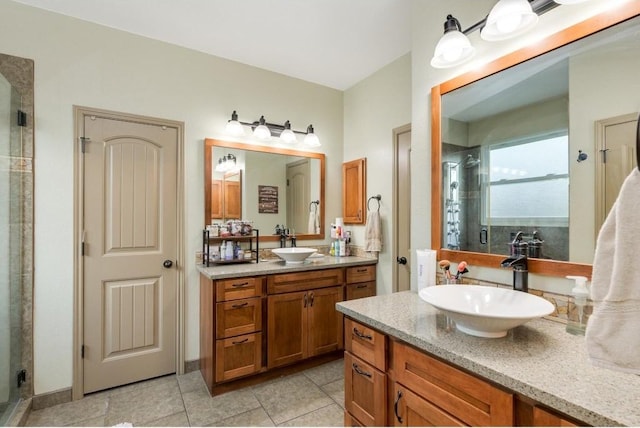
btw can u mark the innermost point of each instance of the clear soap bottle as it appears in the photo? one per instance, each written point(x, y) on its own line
point(577, 323)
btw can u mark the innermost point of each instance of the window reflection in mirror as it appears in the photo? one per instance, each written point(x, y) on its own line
point(292, 178)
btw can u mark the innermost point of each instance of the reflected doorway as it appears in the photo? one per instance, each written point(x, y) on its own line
point(402, 208)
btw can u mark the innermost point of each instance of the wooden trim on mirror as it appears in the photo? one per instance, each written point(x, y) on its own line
point(265, 236)
point(566, 36)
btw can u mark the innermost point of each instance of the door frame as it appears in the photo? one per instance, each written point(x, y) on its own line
point(79, 112)
point(396, 208)
point(600, 140)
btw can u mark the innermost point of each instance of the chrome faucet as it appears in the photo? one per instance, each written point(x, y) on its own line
point(520, 271)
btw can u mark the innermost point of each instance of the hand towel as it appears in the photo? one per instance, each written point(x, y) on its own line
point(312, 226)
point(316, 214)
point(373, 232)
point(612, 337)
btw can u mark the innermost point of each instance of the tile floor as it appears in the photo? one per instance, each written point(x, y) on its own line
point(314, 397)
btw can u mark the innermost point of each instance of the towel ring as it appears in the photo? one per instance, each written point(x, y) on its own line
point(316, 203)
point(377, 198)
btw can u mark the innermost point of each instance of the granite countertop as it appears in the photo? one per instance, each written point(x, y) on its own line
point(539, 360)
point(272, 266)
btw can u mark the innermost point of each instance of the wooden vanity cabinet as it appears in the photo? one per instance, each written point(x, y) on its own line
point(454, 397)
point(302, 320)
point(365, 378)
point(361, 282)
point(231, 321)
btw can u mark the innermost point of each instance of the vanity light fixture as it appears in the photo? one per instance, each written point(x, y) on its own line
point(454, 47)
point(287, 134)
point(226, 163)
point(265, 130)
point(507, 19)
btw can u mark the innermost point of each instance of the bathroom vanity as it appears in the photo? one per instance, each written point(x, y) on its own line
point(406, 364)
point(257, 319)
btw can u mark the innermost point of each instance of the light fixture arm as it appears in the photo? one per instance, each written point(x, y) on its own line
point(540, 7)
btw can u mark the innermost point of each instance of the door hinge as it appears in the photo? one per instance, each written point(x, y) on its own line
point(21, 377)
point(82, 351)
point(21, 118)
point(82, 246)
point(83, 142)
point(604, 155)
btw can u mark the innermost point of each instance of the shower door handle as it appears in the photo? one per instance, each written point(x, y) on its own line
point(483, 236)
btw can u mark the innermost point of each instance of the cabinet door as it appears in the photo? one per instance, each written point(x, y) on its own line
point(365, 390)
point(545, 418)
point(238, 317)
point(287, 326)
point(216, 199)
point(238, 356)
point(411, 410)
point(325, 323)
point(232, 200)
point(353, 191)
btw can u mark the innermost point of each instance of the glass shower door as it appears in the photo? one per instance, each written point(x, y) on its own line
point(13, 166)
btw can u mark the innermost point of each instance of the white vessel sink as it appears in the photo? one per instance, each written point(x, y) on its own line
point(485, 311)
point(293, 255)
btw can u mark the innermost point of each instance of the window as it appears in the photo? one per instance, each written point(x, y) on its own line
point(529, 182)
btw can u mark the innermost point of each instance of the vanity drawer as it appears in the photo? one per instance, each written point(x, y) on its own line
point(361, 274)
point(238, 317)
point(365, 343)
point(300, 281)
point(239, 288)
point(238, 356)
point(466, 397)
point(359, 290)
point(365, 391)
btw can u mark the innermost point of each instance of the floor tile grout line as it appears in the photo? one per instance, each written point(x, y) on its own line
point(305, 414)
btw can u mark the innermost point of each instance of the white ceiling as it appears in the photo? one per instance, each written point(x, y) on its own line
point(335, 43)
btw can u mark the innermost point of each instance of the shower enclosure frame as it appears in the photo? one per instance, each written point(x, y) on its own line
point(19, 72)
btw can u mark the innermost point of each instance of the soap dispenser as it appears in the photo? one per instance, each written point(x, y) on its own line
point(578, 322)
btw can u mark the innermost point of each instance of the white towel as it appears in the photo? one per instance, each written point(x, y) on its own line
point(316, 214)
point(312, 226)
point(612, 337)
point(373, 232)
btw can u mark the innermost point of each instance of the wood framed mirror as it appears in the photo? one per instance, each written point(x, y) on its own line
point(294, 179)
point(444, 184)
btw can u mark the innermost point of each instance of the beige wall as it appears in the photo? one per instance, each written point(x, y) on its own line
point(372, 109)
point(78, 63)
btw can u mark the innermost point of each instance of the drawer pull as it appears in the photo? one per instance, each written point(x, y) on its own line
point(362, 270)
point(362, 286)
point(240, 341)
point(239, 305)
point(240, 284)
point(395, 406)
point(361, 335)
point(360, 371)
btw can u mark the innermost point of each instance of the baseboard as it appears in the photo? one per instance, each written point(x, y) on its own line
point(51, 399)
point(20, 413)
point(191, 366)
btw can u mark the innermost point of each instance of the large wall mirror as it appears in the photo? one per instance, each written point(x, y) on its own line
point(509, 145)
point(269, 186)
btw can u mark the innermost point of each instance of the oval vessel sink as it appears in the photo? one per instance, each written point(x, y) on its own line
point(293, 255)
point(485, 311)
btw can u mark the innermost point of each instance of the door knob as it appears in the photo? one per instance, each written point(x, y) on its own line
point(401, 260)
point(167, 263)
